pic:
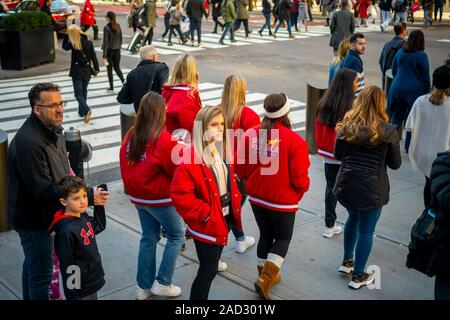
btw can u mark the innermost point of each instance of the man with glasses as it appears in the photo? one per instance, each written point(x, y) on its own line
point(37, 160)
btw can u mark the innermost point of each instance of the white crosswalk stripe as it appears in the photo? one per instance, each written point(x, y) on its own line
point(103, 132)
point(210, 40)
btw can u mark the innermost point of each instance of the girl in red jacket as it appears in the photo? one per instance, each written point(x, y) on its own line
point(205, 193)
point(274, 161)
point(147, 169)
point(240, 118)
point(182, 95)
point(87, 18)
point(337, 100)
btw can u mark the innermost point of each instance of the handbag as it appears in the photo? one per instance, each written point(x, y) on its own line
point(425, 238)
point(89, 65)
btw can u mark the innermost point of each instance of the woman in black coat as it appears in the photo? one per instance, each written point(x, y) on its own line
point(112, 44)
point(83, 64)
point(440, 189)
point(365, 144)
point(216, 5)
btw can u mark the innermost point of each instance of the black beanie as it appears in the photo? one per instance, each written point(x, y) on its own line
point(441, 77)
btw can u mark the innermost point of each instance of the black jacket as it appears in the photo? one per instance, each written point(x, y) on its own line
point(216, 10)
point(266, 7)
point(81, 58)
point(147, 76)
point(195, 9)
point(284, 9)
point(37, 160)
point(362, 181)
point(440, 189)
point(75, 245)
point(112, 40)
point(387, 54)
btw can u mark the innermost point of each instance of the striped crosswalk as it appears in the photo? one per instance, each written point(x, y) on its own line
point(210, 40)
point(103, 132)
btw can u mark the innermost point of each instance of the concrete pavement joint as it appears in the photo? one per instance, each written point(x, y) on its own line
point(9, 288)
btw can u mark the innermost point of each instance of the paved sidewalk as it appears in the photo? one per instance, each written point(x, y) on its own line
point(309, 272)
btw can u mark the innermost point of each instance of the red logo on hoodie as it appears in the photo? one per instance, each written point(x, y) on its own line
point(85, 234)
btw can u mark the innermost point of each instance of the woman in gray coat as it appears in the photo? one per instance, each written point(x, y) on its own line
point(342, 25)
point(242, 16)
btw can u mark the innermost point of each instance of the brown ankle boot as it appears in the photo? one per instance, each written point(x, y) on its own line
point(266, 280)
point(277, 277)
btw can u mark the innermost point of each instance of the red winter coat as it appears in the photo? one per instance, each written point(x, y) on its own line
point(196, 197)
point(325, 139)
point(183, 104)
point(87, 15)
point(247, 120)
point(148, 181)
point(362, 6)
point(282, 187)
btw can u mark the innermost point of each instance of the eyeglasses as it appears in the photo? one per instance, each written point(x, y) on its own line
point(61, 105)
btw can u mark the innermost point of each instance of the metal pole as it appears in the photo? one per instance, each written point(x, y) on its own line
point(4, 226)
point(127, 115)
point(313, 96)
point(74, 147)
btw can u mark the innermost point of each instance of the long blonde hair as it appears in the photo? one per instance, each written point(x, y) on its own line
point(344, 46)
point(74, 32)
point(184, 71)
point(364, 121)
point(200, 141)
point(233, 99)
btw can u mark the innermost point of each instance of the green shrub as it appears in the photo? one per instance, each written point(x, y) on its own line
point(27, 20)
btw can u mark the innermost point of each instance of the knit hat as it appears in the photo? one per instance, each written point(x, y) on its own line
point(441, 77)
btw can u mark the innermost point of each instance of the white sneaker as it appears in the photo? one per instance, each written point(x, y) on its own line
point(242, 246)
point(142, 294)
point(329, 232)
point(162, 290)
point(222, 266)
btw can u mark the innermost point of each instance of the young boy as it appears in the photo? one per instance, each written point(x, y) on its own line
point(75, 245)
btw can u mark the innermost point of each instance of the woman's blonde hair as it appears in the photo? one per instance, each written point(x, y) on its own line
point(201, 141)
point(184, 70)
point(438, 96)
point(344, 46)
point(74, 32)
point(363, 122)
point(233, 99)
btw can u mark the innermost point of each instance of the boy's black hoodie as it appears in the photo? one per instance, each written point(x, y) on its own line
point(75, 245)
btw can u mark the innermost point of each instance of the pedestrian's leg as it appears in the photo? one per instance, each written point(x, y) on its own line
point(215, 25)
point(247, 31)
point(37, 248)
point(116, 64)
point(331, 171)
point(170, 35)
point(441, 288)
point(85, 86)
point(180, 34)
point(95, 27)
point(208, 257)
point(283, 226)
point(266, 231)
point(109, 69)
point(350, 234)
point(199, 31)
point(146, 265)
point(367, 222)
point(232, 32)
point(78, 91)
point(310, 14)
point(174, 226)
point(224, 32)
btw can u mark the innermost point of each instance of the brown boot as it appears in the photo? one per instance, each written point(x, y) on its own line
point(277, 277)
point(266, 279)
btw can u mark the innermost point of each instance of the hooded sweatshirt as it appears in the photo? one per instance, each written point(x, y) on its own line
point(75, 245)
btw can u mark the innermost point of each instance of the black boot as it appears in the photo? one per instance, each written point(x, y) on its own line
point(95, 27)
point(328, 22)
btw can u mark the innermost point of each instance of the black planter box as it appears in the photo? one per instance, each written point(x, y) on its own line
point(23, 49)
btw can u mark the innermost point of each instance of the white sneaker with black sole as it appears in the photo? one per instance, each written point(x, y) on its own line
point(362, 280)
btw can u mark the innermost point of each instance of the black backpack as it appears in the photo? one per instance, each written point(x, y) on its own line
point(390, 57)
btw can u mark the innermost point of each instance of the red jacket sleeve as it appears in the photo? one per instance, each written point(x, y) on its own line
point(298, 166)
point(166, 155)
point(184, 198)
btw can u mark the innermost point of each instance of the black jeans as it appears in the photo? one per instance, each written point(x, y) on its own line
point(195, 24)
point(94, 27)
point(208, 257)
point(178, 29)
point(217, 23)
point(331, 171)
point(148, 39)
point(275, 230)
point(113, 57)
point(80, 90)
point(237, 25)
point(441, 288)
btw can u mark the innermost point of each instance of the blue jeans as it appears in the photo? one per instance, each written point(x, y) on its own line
point(358, 234)
point(267, 23)
point(229, 26)
point(195, 24)
point(80, 86)
point(288, 21)
point(152, 218)
point(400, 16)
point(38, 264)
